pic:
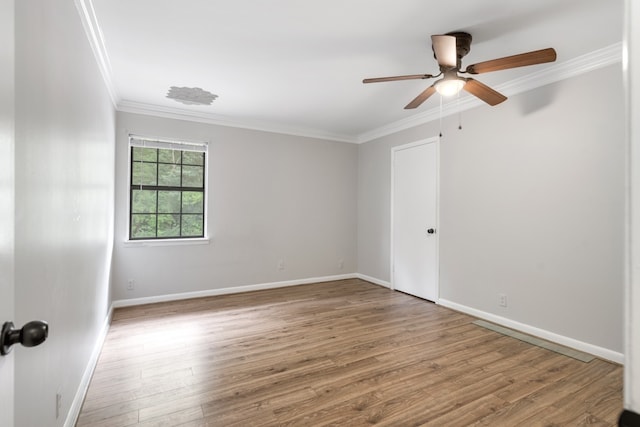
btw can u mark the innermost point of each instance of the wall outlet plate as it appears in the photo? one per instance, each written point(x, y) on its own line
point(502, 300)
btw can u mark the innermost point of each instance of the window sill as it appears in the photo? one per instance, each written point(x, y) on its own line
point(166, 242)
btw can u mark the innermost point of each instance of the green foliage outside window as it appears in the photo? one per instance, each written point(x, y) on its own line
point(167, 193)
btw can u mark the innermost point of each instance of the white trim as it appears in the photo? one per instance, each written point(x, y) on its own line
point(574, 67)
point(433, 140)
point(96, 41)
point(601, 352)
point(134, 107)
point(76, 405)
point(550, 74)
point(165, 242)
point(78, 399)
point(175, 144)
point(373, 280)
point(591, 61)
point(230, 290)
point(631, 69)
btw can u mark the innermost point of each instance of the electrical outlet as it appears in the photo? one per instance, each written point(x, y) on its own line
point(58, 404)
point(340, 263)
point(281, 264)
point(131, 284)
point(502, 300)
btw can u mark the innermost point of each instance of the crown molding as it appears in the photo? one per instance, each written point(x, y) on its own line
point(128, 106)
point(96, 41)
point(560, 71)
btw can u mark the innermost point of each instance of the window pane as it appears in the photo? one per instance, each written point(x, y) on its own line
point(192, 225)
point(192, 158)
point(193, 176)
point(144, 173)
point(143, 226)
point(143, 201)
point(169, 175)
point(158, 212)
point(145, 154)
point(168, 225)
point(168, 202)
point(192, 202)
point(169, 156)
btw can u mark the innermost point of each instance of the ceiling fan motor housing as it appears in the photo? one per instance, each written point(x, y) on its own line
point(463, 42)
point(463, 45)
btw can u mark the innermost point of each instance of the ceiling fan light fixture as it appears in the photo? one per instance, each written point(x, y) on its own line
point(448, 50)
point(450, 87)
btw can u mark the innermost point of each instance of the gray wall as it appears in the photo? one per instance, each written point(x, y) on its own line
point(531, 205)
point(271, 197)
point(64, 161)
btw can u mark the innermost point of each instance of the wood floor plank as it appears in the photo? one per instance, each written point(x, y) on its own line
point(335, 353)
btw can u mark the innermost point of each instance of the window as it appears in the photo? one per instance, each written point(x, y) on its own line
point(167, 189)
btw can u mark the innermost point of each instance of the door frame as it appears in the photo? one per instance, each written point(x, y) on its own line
point(432, 140)
point(632, 223)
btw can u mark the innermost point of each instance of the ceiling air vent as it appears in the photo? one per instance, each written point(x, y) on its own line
point(191, 95)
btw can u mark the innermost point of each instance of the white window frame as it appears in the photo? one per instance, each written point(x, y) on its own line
point(174, 144)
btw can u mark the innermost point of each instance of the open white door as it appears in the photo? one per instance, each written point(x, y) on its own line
point(7, 205)
point(414, 219)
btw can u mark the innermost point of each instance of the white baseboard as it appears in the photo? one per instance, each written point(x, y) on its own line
point(230, 290)
point(374, 280)
point(601, 352)
point(76, 405)
point(78, 399)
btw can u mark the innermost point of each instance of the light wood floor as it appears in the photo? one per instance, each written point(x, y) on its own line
point(344, 353)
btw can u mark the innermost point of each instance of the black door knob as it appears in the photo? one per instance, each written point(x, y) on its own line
point(30, 335)
point(431, 231)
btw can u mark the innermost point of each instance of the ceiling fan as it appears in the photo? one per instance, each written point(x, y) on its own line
point(449, 49)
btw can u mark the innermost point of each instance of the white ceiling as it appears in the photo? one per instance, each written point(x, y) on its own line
point(297, 66)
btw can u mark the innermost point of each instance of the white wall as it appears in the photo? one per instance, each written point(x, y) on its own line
point(7, 62)
point(64, 157)
point(532, 206)
point(271, 197)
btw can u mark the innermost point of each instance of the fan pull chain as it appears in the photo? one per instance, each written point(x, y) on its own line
point(440, 116)
point(459, 112)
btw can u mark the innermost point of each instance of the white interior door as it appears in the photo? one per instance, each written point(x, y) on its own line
point(414, 212)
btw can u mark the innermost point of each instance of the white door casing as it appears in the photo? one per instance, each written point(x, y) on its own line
point(631, 67)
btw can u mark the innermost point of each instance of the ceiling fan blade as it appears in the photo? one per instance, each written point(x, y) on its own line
point(484, 92)
point(444, 48)
point(421, 98)
point(522, 60)
point(396, 78)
